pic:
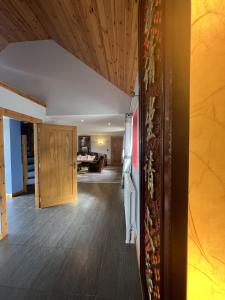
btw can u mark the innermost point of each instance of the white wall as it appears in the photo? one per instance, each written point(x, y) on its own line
point(136, 176)
point(104, 148)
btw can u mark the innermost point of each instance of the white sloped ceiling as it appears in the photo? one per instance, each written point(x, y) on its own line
point(71, 90)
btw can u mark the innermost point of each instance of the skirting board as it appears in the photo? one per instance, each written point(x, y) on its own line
point(10, 196)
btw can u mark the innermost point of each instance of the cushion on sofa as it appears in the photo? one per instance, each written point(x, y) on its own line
point(90, 157)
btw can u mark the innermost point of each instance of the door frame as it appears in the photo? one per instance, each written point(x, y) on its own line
point(168, 167)
point(20, 117)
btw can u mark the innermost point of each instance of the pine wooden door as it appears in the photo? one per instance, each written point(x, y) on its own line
point(116, 150)
point(57, 149)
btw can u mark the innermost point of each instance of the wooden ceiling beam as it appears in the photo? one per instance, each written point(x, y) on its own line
point(101, 33)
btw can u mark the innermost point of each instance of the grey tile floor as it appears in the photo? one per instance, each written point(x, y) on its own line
point(75, 251)
point(108, 175)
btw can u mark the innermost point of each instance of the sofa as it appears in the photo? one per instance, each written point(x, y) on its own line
point(94, 161)
point(91, 156)
point(97, 166)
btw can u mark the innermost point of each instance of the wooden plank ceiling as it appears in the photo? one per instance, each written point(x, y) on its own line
point(101, 33)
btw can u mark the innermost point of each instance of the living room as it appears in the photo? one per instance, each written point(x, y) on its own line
point(99, 157)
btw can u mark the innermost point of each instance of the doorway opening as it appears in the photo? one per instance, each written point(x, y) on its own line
point(99, 158)
point(28, 155)
point(38, 160)
point(19, 158)
point(12, 161)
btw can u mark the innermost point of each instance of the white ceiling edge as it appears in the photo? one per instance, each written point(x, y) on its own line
point(71, 90)
point(68, 86)
point(87, 133)
point(92, 124)
point(17, 103)
point(86, 124)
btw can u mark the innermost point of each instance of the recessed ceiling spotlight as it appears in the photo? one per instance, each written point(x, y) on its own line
point(109, 124)
point(82, 121)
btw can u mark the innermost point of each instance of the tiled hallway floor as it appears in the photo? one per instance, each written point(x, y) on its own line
point(108, 175)
point(71, 251)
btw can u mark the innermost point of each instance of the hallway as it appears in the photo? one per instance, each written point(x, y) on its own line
point(71, 251)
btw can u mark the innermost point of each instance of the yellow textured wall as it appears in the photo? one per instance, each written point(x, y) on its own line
point(206, 243)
